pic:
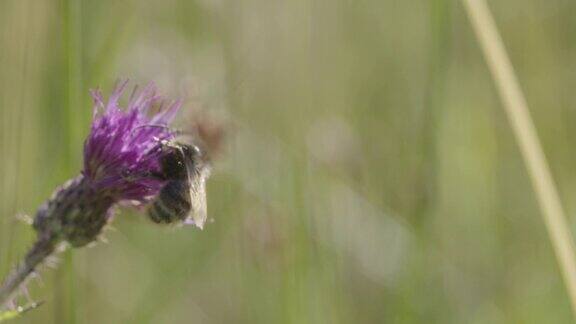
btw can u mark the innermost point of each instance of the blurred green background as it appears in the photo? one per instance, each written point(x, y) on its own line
point(369, 175)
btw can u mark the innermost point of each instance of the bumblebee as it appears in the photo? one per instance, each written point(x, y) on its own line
point(185, 169)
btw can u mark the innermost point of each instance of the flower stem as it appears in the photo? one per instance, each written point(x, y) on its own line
point(37, 254)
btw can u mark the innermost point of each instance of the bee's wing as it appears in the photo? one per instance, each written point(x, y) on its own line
point(197, 179)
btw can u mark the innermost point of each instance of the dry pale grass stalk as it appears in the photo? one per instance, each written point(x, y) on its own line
point(516, 108)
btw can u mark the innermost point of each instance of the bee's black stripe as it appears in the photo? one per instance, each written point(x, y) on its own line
point(175, 195)
point(159, 215)
point(172, 204)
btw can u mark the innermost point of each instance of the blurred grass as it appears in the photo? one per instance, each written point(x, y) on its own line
point(67, 290)
point(370, 175)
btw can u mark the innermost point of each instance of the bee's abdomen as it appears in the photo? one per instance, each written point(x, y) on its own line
point(172, 204)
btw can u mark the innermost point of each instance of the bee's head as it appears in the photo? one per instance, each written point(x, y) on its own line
point(191, 152)
point(178, 156)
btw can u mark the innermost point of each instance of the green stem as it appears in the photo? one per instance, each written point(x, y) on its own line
point(37, 254)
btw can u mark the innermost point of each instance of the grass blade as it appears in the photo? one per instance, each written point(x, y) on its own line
point(514, 103)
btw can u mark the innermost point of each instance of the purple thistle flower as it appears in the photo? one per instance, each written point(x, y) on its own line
point(122, 155)
point(123, 146)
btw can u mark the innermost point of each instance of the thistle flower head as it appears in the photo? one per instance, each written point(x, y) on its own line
point(122, 149)
point(122, 162)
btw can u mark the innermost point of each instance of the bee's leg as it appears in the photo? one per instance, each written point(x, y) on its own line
point(131, 177)
point(156, 175)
